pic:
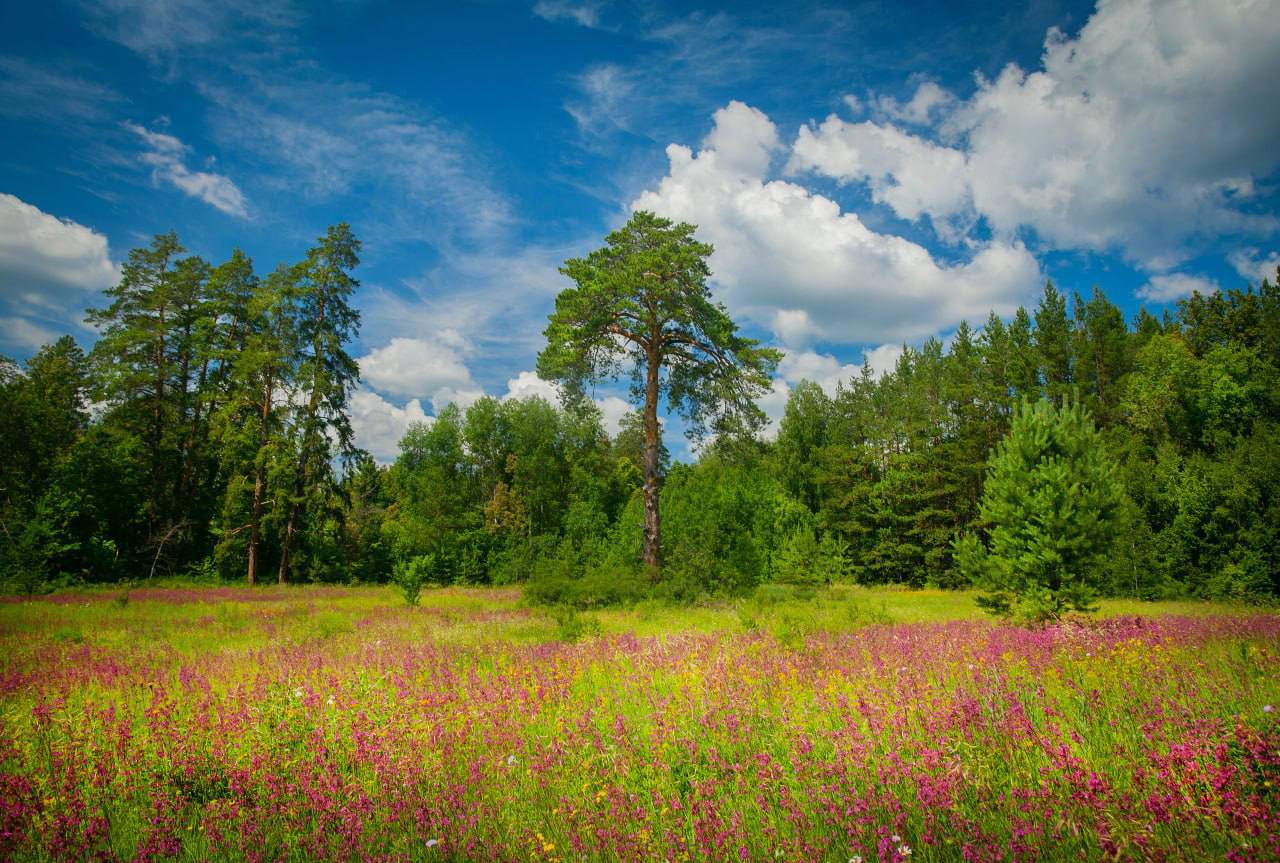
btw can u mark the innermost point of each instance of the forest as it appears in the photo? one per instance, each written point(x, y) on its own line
point(206, 435)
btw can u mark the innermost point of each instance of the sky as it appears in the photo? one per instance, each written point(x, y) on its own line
point(870, 174)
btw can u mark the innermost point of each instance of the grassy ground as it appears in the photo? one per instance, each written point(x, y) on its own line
point(318, 723)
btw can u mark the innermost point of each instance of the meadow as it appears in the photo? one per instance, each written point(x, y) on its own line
point(852, 724)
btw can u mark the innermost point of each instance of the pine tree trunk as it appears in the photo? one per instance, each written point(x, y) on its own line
point(259, 482)
point(286, 556)
point(304, 456)
point(157, 427)
point(652, 518)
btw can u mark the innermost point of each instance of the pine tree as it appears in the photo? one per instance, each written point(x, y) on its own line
point(1050, 505)
point(249, 423)
point(1053, 345)
point(1024, 361)
point(326, 374)
point(642, 300)
point(1103, 354)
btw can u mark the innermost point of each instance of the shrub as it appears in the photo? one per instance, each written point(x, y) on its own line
point(573, 626)
point(411, 574)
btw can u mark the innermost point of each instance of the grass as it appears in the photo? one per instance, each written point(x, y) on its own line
point(336, 723)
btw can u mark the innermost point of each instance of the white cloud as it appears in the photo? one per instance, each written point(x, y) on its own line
point(612, 410)
point(1168, 287)
point(742, 140)
point(434, 368)
point(417, 367)
point(774, 405)
point(823, 369)
point(166, 155)
point(379, 425)
point(882, 359)
point(527, 385)
point(929, 99)
point(1143, 132)
point(913, 176)
point(49, 266)
point(790, 260)
point(1254, 267)
point(585, 14)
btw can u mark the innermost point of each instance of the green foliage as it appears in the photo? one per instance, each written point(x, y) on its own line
point(803, 558)
point(642, 302)
point(411, 575)
point(571, 625)
point(220, 447)
point(1051, 505)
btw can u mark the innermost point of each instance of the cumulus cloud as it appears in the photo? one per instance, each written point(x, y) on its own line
point(913, 176)
point(823, 369)
point(379, 425)
point(791, 260)
point(1167, 287)
point(612, 410)
point(166, 155)
point(50, 268)
point(882, 359)
point(527, 385)
point(742, 140)
point(1142, 132)
point(774, 405)
point(418, 367)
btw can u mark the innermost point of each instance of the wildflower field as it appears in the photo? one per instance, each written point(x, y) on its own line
point(311, 723)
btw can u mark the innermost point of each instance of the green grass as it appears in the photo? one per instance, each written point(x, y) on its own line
point(314, 723)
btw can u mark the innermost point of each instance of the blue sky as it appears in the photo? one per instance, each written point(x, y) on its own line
point(870, 173)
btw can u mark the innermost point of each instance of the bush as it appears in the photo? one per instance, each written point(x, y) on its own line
point(410, 575)
point(572, 626)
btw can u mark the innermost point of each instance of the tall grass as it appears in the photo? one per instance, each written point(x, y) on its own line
point(305, 724)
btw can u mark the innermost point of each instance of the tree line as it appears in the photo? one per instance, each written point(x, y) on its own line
point(207, 433)
point(199, 433)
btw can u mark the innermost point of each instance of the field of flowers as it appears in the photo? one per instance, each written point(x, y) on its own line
point(310, 724)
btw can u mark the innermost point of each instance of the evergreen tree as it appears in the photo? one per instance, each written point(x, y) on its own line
point(249, 422)
point(1024, 359)
point(644, 299)
point(1103, 354)
point(325, 321)
point(1050, 508)
point(1052, 339)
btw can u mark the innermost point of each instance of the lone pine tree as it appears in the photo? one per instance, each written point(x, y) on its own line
point(643, 301)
